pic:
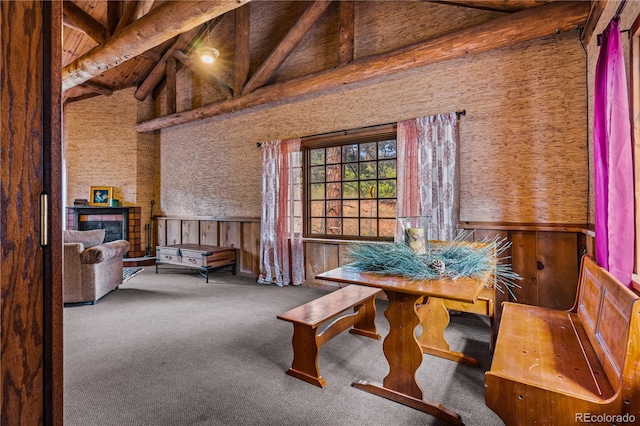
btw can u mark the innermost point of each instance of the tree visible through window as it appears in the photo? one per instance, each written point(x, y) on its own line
point(351, 190)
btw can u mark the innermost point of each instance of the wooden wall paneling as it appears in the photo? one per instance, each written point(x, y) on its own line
point(190, 232)
point(320, 257)
point(161, 232)
point(343, 254)
point(250, 257)
point(558, 267)
point(523, 261)
point(231, 234)
point(209, 232)
point(502, 294)
point(174, 232)
point(586, 245)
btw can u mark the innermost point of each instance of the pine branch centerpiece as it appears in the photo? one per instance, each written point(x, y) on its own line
point(444, 259)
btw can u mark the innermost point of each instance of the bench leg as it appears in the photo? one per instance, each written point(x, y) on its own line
point(366, 326)
point(305, 356)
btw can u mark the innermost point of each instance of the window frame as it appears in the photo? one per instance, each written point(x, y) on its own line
point(342, 138)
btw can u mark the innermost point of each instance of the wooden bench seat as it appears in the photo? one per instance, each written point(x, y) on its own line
point(558, 367)
point(316, 322)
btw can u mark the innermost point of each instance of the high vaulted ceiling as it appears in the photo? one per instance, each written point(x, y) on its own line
point(113, 45)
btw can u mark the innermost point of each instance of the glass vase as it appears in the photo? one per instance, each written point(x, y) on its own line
point(415, 230)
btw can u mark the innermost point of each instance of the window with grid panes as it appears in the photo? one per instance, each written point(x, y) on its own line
point(351, 188)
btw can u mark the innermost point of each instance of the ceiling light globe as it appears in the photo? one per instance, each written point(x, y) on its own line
point(208, 54)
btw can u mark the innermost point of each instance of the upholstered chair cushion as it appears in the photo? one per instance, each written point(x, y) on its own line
point(102, 252)
point(87, 238)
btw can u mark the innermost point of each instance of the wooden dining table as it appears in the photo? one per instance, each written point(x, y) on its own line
point(401, 347)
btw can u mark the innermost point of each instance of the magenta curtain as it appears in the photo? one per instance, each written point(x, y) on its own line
point(613, 167)
point(281, 249)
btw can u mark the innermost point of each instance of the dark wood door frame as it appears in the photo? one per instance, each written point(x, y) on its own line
point(31, 212)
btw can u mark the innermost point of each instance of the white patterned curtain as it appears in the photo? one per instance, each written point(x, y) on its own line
point(281, 249)
point(430, 145)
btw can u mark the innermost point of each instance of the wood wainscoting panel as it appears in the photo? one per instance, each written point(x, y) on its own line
point(320, 257)
point(559, 265)
point(250, 250)
point(190, 231)
point(546, 256)
point(523, 261)
point(231, 234)
point(242, 234)
point(174, 232)
point(209, 232)
point(161, 233)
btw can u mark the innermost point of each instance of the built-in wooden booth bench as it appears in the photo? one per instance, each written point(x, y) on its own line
point(316, 322)
point(566, 367)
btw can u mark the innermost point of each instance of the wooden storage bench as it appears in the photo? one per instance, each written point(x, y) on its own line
point(196, 256)
point(561, 367)
point(327, 312)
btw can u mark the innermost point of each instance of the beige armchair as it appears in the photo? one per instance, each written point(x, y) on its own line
point(91, 268)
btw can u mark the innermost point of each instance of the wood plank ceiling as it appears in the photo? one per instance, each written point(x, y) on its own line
point(113, 45)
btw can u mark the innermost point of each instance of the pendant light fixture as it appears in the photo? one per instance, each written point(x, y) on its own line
point(206, 51)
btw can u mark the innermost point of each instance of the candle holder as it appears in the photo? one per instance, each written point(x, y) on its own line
point(415, 230)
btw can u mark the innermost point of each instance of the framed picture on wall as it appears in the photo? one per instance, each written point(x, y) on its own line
point(100, 196)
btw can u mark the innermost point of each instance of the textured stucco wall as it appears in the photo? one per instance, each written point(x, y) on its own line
point(102, 149)
point(523, 140)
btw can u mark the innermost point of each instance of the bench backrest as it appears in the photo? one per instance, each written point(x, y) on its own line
point(608, 311)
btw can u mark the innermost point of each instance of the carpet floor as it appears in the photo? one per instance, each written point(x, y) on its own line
point(170, 349)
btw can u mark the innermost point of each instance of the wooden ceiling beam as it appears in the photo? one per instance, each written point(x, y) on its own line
point(97, 88)
point(346, 32)
point(159, 25)
point(205, 75)
point(114, 13)
point(597, 7)
point(171, 80)
point(495, 5)
point(127, 15)
point(142, 8)
point(67, 22)
point(518, 27)
point(158, 72)
point(84, 22)
point(286, 45)
point(242, 60)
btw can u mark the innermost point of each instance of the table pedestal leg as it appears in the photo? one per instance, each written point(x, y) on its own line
point(434, 317)
point(404, 355)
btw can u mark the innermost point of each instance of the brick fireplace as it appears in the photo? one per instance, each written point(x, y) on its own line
point(118, 222)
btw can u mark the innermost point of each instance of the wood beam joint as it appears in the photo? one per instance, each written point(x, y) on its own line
point(286, 45)
point(84, 22)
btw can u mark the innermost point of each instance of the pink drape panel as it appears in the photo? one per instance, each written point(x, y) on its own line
point(613, 167)
point(408, 182)
point(281, 257)
point(426, 170)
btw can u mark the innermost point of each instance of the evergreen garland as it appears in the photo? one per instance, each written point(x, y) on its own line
point(444, 259)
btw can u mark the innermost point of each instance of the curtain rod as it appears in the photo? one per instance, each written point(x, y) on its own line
point(621, 7)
